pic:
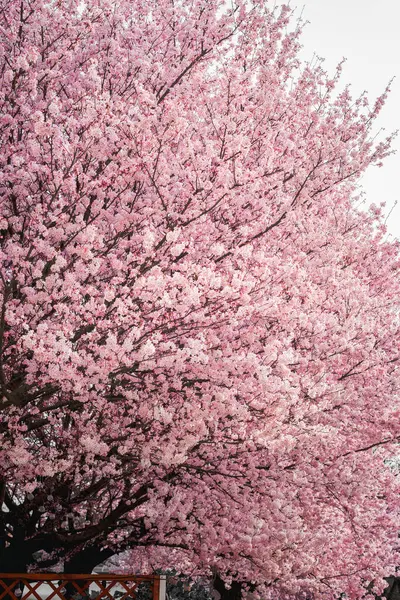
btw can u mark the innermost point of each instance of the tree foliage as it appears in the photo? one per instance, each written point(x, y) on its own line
point(199, 329)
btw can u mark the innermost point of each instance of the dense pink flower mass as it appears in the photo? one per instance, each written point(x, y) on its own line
point(199, 329)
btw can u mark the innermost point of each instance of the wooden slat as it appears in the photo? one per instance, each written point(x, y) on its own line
point(56, 590)
point(156, 588)
point(8, 589)
point(130, 591)
point(32, 588)
point(106, 592)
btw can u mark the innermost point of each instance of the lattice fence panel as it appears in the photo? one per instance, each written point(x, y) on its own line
point(60, 586)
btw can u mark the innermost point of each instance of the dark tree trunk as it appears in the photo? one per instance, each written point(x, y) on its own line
point(12, 560)
point(233, 593)
point(84, 561)
point(14, 553)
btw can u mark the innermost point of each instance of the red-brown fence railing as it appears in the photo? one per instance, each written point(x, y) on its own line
point(62, 586)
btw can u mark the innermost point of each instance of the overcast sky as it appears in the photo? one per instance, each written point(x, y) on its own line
point(367, 34)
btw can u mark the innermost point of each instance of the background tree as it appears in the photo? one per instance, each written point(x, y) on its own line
point(199, 330)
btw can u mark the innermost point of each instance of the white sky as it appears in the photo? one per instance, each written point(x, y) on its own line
point(367, 34)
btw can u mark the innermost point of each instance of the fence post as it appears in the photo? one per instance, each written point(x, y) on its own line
point(162, 590)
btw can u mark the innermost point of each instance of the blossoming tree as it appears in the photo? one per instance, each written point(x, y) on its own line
point(199, 330)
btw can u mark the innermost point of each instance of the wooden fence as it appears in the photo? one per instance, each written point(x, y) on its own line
point(61, 586)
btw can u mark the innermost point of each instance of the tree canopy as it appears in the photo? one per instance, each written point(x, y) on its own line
point(199, 331)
